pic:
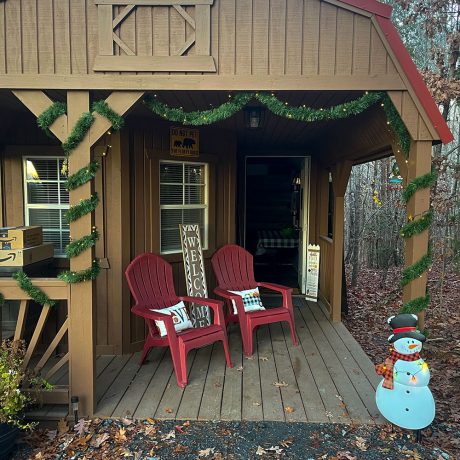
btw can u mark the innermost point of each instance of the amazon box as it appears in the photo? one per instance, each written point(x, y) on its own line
point(20, 237)
point(25, 256)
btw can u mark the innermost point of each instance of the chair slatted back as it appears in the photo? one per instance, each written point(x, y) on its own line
point(150, 281)
point(233, 267)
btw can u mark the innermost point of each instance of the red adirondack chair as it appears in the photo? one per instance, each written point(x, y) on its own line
point(151, 283)
point(233, 267)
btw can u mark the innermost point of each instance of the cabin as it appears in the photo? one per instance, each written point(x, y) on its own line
point(264, 178)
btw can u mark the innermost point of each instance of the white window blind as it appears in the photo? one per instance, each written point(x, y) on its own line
point(183, 200)
point(46, 199)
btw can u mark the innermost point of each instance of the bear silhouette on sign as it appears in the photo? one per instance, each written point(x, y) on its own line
point(188, 142)
point(177, 144)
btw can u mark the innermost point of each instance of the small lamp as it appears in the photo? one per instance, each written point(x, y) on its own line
point(74, 401)
point(254, 117)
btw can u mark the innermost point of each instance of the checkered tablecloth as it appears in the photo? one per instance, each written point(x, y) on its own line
point(274, 239)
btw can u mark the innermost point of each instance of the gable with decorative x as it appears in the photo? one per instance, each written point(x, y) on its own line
point(112, 15)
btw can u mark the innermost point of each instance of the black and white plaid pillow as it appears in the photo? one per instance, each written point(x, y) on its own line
point(251, 300)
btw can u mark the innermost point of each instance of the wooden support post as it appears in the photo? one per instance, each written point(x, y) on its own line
point(340, 175)
point(82, 304)
point(417, 246)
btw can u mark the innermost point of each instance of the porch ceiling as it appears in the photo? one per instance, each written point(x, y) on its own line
point(360, 138)
point(357, 138)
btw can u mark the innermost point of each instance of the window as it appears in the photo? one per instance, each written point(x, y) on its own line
point(183, 200)
point(47, 200)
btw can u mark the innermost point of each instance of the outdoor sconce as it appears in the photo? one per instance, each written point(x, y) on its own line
point(74, 401)
point(254, 117)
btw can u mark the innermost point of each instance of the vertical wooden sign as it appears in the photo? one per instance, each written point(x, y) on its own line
point(194, 272)
point(312, 272)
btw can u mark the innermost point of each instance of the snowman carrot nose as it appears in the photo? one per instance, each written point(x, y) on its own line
point(414, 345)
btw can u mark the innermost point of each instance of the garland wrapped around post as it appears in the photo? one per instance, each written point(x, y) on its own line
point(81, 177)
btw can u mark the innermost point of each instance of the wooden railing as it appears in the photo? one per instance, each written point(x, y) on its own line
point(326, 269)
point(41, 354)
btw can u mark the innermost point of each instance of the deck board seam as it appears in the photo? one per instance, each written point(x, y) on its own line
point(340, 361)
point(325, 404)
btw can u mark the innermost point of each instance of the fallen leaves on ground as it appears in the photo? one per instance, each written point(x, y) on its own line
point(281, 384)
point(377, 296)
point(62, 427)
point(289, 409)
point(159, 440)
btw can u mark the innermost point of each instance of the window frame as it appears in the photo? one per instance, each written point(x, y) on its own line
point(59, 206)
point(205, 243)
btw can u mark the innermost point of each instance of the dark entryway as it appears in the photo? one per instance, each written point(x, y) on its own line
point(272, 217)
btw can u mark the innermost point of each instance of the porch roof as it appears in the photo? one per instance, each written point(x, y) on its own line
point(382, 14)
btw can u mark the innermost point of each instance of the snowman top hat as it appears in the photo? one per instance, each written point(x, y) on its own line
point(405, 326)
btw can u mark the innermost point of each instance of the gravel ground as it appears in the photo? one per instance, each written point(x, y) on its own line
point(155, 440)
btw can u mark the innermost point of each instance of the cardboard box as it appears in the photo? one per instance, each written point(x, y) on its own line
point(20, 237)
point(25, 256)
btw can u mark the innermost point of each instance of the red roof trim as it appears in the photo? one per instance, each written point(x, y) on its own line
point(415, 79)
point(371, 6)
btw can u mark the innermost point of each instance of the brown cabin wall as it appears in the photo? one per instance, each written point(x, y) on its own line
point(148, 143)
point(248, 37)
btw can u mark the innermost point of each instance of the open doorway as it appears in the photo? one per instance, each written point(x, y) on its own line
point(276, 218)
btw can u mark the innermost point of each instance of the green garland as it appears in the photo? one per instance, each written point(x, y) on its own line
point(102, 108)
point(417, 269)
point(309, 114)
point(197, 118)
point(76, 247)
point(82, 208)
point(416, 305)
point(417, 226)
point(87, 274)
point(50, 115)
point(78, 132)
point(425, 181)
point(34, 292)
point(82, 176)
point(397, 124)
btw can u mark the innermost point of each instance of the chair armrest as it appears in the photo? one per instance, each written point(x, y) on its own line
point(202, 300)
point(231, 296)
point(216, 305)
point(275, 287)
point(284, 290)
point(226, 294)
point(145, 312)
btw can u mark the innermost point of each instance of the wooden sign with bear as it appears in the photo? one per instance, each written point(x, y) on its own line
point(194, 272)
point(184, 142)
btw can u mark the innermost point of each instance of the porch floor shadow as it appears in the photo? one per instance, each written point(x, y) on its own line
point(327, 378)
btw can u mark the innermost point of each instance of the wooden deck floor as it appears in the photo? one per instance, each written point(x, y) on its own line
point(328, 377)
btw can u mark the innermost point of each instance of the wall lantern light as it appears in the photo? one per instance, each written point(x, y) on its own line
point(254, 117)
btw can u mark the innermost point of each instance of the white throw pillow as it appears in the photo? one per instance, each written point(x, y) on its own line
point(180, 317)
point(251, 300)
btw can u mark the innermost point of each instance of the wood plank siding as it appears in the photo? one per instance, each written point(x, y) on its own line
point(62, 38)
point(148, 144)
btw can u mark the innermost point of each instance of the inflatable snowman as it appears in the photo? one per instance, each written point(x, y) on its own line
point(403, 396)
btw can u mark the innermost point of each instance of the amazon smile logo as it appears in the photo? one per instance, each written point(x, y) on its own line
point(11, 256)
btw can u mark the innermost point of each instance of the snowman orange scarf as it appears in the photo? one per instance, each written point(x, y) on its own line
point(386, 369)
